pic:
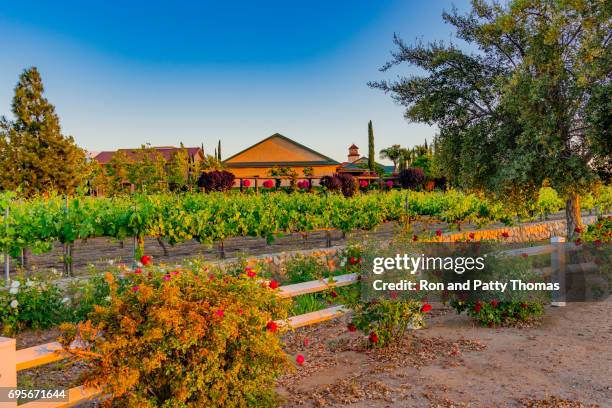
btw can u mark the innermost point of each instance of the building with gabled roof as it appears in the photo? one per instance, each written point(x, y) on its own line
point(194, 153)
point(279, 151)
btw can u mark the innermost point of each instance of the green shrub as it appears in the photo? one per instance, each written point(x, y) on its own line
point(31, 304)
point(548, 202)
point(304, 268)
point(387, 320)
point(496, 313)
point(185, 338)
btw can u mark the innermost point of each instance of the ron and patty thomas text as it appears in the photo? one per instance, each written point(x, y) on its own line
point(459, 265)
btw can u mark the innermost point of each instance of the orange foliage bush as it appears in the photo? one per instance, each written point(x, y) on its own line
point(185, 338)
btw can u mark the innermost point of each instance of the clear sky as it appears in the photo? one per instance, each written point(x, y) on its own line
point(166, 72)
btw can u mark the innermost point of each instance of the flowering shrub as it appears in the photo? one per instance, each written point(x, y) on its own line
point(246, 183)
point(216, 180)
point(495, 313)
point(268, 184)
point(412, 178)
point(31, 303)
point(187, 337)
point(599, 232)
point(386, 320)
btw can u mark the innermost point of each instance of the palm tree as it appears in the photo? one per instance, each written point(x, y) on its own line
point(406, 157)
point(392, 153)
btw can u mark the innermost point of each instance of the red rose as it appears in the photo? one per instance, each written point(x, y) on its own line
point(373, 337)
point(363, 183)
point(220, 313)
point(138, 271)
point(250, 272)
point(393, 295)
point(471, 235)
point(246, 183)
point(505, 234)
point(494, 303)
point(135, 288)
point(333, 294)
point(273, 284)
point(271, 326)
point(353, 260)
point(438, 233)
point(477, 307)
point(578, 230)
point(389, 184)
point(426, 308)
point(145, 260)
point(351, 327)
point(306, 342)
point(268, 184)
point(299, 359)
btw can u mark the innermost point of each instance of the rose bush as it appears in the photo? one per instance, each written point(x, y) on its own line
point(500, 313)
point(188, 338)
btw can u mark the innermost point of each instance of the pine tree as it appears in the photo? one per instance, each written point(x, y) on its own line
point(36, 157)
point(371, 153)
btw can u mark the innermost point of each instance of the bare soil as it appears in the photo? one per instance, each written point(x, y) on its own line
point(564, 361)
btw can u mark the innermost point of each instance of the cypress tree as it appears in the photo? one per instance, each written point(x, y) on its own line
point(36, 156)
point(371, 154)
point(219, 151)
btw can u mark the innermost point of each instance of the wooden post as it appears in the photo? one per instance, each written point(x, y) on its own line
point(309, 184)
point(8, 369)
point(256, 185)
point(240, 185)
point(221, 250)
point(7, 256)
point(557, 262)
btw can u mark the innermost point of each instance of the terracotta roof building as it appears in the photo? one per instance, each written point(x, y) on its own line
point(279, 151)
point(194, 153)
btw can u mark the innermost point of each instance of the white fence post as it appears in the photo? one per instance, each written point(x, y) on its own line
point(557, 262)
point(8, 369)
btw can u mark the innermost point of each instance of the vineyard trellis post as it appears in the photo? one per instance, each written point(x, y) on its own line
point(7, 259)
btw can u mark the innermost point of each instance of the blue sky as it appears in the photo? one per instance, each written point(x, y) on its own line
point(197, 71)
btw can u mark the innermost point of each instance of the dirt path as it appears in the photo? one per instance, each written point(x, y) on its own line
point(566, 360)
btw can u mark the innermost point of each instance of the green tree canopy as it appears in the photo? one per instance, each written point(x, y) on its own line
point(36, 157)
point(528, 103)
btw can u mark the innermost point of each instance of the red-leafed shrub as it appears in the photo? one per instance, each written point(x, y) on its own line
point(216, 180)
point(412, 178)
point(348, 183)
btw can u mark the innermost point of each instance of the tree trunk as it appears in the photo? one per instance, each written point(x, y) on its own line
point(573, 217)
